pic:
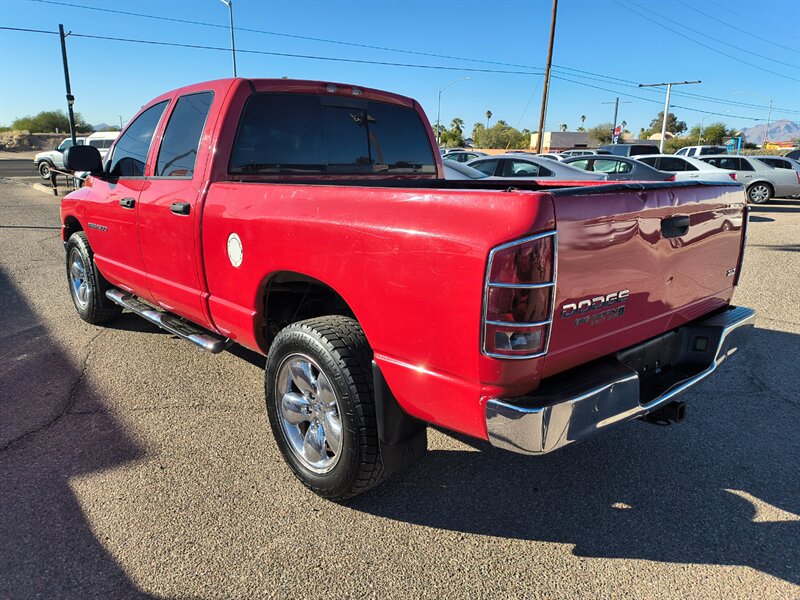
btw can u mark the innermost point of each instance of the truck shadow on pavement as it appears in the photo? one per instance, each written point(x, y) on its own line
point(47, 546)
point(719, 489)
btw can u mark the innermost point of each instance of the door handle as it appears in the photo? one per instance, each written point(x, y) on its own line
point(127, 202)
point(181, 208)
point(673, 227)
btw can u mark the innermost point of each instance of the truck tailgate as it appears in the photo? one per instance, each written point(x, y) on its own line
point(635, 261)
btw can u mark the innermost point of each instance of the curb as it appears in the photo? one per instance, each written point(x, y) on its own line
point(44, 189)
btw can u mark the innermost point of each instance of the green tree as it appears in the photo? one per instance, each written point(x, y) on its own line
point(502, 135)
point(457, 125)
point(583, 120)
point(488, 118)
point(713, 133)
point(673, 125)
point(477, 131)
point(601, 134)
point(48, 121)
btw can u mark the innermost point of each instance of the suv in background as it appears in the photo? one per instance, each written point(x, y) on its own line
point(102, 140)
point(631, 149)
point(44, 161)
point(701, 150)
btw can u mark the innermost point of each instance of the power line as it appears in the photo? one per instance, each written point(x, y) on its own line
point(719, 41)
point(337, 59)
point(745, 31)
point(769, 26)
point(595, 76)
point(699, 43)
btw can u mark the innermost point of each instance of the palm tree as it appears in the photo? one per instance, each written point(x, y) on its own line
point(583, 118)
point(488, 118)
point(457, 125)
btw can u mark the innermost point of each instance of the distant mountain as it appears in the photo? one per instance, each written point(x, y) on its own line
point(779, 131)
point(105, 127)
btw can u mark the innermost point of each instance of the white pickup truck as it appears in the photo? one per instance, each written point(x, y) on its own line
point(54, 159)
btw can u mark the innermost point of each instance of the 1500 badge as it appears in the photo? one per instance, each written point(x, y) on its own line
point(613, 303)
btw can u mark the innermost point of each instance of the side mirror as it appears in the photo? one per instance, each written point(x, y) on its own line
point(83, 158)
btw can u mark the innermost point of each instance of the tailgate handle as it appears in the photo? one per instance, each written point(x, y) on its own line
point(673, 227)
point(181, 208)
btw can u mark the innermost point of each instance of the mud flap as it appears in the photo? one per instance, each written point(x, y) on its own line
point(403, 439)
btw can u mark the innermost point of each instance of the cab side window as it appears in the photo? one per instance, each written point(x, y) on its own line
point(178, 151)
point(130, 153)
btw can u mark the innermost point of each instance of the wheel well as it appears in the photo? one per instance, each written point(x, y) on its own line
point(290, 297)
point(763, 182)
point(71, 225)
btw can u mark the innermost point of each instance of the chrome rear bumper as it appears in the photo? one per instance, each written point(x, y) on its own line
point(590, 399)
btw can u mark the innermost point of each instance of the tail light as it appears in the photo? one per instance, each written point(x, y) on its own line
point(670, 178)
point(519, 297)
point(733, 176)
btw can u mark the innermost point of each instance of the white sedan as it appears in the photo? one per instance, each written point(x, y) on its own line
point(686, 168)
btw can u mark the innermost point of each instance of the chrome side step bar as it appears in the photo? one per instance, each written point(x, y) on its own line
point(210, 342)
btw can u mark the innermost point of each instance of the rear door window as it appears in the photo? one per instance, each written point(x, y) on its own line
point(178, 152)
point(521, 168)
point(486, 166)
point(130, 153)
point(303, 133)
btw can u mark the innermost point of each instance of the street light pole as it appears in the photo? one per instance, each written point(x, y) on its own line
point(616, 104)
point(70, 97)
point(769, 113)
point(666, 105)
point(439, 109)
point(229, 4)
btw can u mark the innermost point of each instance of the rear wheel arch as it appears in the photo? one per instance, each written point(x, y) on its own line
point(287, 297)
point(758, 184)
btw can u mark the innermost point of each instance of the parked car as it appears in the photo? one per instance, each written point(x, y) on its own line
point(550, 155)
point(780, 162)
point(518, 166)
point(44, 161)
point(630, 149)
point(700, 150)
point(618, 168)
point(464, 156)
point(685, 168)
point(583, 152)
point(761, 181)
point(794, 154)
point(263, 212)
point(460, 172)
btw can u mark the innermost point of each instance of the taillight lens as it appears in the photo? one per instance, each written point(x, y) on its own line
point(518, 304)
point(670, 178)
point(733, 176)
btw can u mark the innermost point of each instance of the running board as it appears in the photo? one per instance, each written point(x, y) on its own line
point(210, 342)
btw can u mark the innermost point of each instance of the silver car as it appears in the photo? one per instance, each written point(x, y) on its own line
point(523, 166)
point(686, 168)
point(761, 180)
point(464, 156)
point(618, 168)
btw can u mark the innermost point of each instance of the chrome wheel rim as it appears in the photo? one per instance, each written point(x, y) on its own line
point(309, 414)
point(77, 279)
point(759, 193)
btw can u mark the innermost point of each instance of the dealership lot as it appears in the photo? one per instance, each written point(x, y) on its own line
point(132, 463)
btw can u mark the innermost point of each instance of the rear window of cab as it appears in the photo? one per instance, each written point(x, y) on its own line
point(306, 134)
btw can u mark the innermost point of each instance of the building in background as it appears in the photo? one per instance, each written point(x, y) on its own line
point(556, 141)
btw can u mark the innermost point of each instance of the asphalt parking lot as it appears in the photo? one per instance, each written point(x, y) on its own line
point(133, 464)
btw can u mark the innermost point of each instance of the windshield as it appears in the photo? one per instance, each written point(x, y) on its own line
point(309, 134)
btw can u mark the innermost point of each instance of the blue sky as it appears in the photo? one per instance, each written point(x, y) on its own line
point(618, 43)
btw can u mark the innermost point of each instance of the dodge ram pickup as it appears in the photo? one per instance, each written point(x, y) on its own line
point(310, 222)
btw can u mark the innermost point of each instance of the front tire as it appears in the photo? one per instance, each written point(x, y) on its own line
point(759, 193)
point(86, 285)
point(321, 408)
point(44, 169)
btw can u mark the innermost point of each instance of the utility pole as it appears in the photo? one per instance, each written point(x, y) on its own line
point(766, 129)
point(229, 4)
point(70, 97)
point(666, 105)
point(616, 104)
point(546, 88)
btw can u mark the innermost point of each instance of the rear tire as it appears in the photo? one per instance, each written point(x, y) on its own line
point(321, 407)
point(759, 193)
point(87, 286)
point(44, 169)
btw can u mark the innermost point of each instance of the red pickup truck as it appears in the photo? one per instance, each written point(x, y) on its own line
point(310, 222)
